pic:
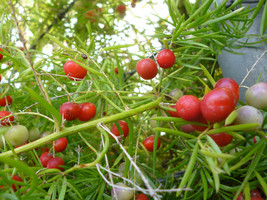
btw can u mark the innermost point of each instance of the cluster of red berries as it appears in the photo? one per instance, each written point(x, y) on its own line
point(71, 111)
point(147, 68)
point(16, 178)
point(214, 107)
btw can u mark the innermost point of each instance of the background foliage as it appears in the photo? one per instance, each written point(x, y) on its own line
point(57, 31)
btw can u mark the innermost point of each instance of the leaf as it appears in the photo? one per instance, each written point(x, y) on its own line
point(263, 25)
point(208, 75)
point(50, 108)
point(231, 118)
point(189, 169)
point(262, 182)
point(63, 189)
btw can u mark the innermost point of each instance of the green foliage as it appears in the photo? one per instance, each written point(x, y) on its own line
point(58, 31)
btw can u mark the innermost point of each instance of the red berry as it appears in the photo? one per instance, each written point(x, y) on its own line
point(221, 139)
point(230, 84)
point(255, 192)
point(149, 143)
point(256, 198)
point(166, 58)
point(173, 113)
point(141, 197)
point(6, 100)
point(0, 78)
point(188, 128)
point(116, 70)
point(45, 157)
point(60, 144)
point(6, 121)
point(69, 111)
point(1, 56)
point(121, 9)
point(87, 111)
point(16, 178)
point(74, 71)
point(55, 163)
point(188, 108)
point(147, 68)
point(124, 127)
point(218, 104)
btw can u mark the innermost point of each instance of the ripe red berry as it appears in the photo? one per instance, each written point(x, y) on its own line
point(218, 104)
point(6, 121)
point(124, 127)
point(166, 58)
point(221, 139)
point(1, 56)
point(141, 197)
point(87, 111)
point(173, 113)
point(147, 68)
point(149, 143)
point(188, 108)
point(121, 9)
point(69, 111)
point(116, 70)
point(74, 71)
point(55, 163)
point(60, 144)
point(45, 157)
point(6, 100)
point(230, 84)
point(0, 78)
point(16, 178)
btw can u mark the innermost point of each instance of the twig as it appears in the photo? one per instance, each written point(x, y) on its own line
point(151, 190)
point(252, 68)
point(22, 39)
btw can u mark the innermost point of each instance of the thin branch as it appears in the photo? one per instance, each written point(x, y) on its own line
point(252, 68)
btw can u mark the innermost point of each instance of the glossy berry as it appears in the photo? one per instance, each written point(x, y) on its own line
point(173, 113)
point(6, 100)
point(166, 58)
point(17, 135)
point(55, 163)
point(230, 84)
point(141, 197)
point(121, 9)
point(1, 56)
point(74, 71)
point(6, 121)
point(221, 139)
point(256, 95)
point(16, 178)
point(218, 104)
point(255, 192)
point(124, 127)
point(116, 70)
point(45, 157)
point(87, 111)
point(147, 68)
point(69, 111)
point(60, 144)
point(149, 143)
point(0, 78)
point(188, 107)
